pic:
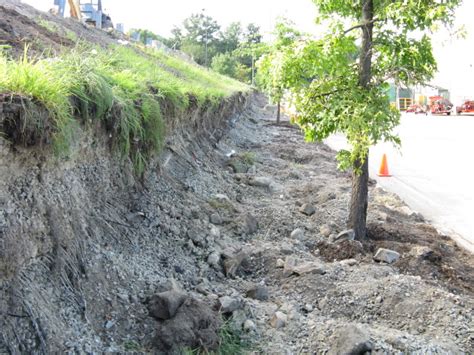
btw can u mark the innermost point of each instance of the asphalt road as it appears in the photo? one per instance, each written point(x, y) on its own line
point(433, 172)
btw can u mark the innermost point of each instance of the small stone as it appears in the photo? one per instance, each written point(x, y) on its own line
point(309, 268)
point(348, 262)
point(386, 255)
point(179, 269)
point(215, 232)
point(196, 236)
point(307, 209)
point(202, 289)
point(214, 259)
point(258, 292)
point(325, 231)
point(221, 198)
point(109, 324)
point(215, 218)
point(348, 234)
point(229, 304)
point(278, 320)
point(289, 266)
point(250, 224)
point(123, 297)
point(421, 252)
point(298, 234)
point(249, 326)
point(308, 307)
point(261, 181)
point(280, 263)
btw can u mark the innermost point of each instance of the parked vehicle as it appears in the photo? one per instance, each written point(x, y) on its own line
point(440, 106)
point(466, 107)
point(416, 108)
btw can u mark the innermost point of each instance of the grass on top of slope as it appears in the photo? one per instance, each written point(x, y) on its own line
point(121, 86)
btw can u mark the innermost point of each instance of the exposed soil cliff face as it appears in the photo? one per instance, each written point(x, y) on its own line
point(78, 235)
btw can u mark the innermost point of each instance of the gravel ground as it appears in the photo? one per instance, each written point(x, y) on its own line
point(241, 208)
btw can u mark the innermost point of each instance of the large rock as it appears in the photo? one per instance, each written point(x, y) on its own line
point(307, 209)
point(215, 218)
point(348, 234)
point(350, 340)
point(195, 325)
point(229, 304)
point(165, 305)
point(258, 292)
point(386, 255)
point(278, 320)
point(292, 267)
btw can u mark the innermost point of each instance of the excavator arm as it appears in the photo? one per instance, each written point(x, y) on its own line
point(75, 9)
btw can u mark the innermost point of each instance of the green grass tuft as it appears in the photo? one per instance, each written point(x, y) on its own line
point(120, 87)
point(230, 342)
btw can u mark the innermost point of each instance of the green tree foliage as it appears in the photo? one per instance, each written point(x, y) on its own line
point(339, 81)
point(200, 37)
point(252, 34)
point(235, 48)
point(231, 37)
point(225, 63)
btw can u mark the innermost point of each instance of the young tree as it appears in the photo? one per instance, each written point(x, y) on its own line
point(340, 81)
point(200, 37)
point(272, 66)
point(225, 63)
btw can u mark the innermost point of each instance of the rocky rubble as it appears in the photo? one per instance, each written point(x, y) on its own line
point(206, 241)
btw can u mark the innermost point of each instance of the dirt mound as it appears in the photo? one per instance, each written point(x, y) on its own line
point(426, 253)
point(348, 249)
point(23, 26)
point(195, 326)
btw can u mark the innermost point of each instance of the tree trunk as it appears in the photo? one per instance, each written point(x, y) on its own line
point(278, 111)
point(358, 207)
point(360, 176)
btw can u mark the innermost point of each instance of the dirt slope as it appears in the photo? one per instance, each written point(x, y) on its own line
point(22, 25)
point(93, 245)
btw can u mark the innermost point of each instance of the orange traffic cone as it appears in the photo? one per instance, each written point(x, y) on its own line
point(383, 171)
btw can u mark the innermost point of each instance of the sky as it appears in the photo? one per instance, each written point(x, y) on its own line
point(455, 62)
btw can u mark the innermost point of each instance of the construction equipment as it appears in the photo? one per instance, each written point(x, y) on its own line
point(440, 106)
point(88, 11)
point(416, 108)
point(466, 107)
point(75, 9)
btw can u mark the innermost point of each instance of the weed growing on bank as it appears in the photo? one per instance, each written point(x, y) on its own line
point(122, 87)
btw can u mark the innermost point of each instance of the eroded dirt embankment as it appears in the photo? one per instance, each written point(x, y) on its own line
point(85, 241)
point(242, 215)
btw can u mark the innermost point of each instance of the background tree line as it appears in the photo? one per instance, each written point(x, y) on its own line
point(232, 51)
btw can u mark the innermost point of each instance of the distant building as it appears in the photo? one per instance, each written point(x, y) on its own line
point(402, 97)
